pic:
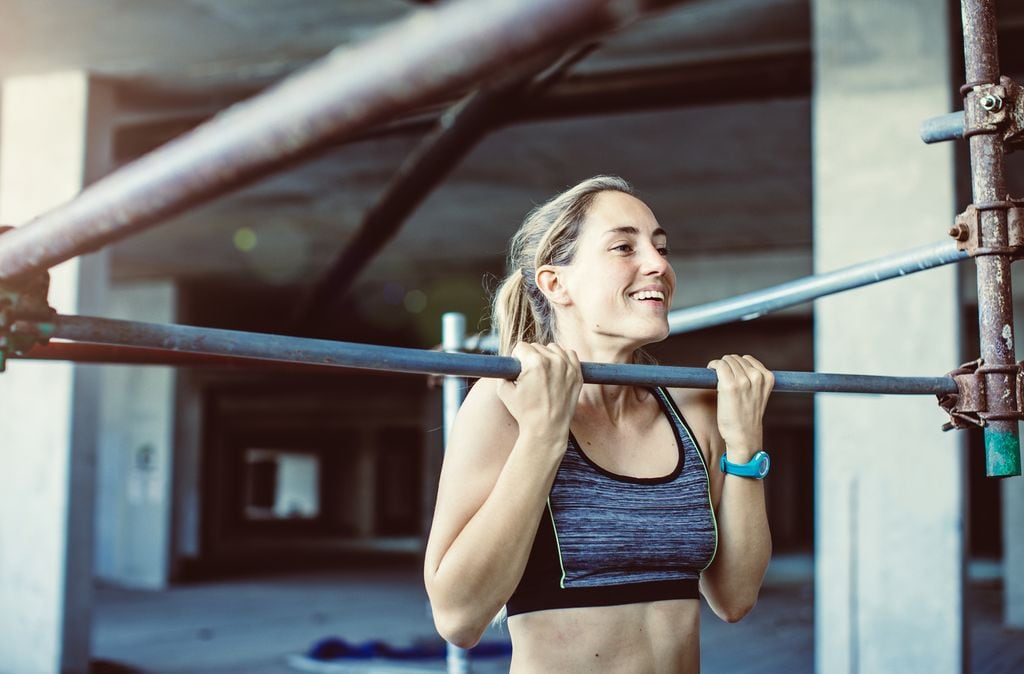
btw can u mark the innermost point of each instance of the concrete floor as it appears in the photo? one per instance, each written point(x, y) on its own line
point(265, 625)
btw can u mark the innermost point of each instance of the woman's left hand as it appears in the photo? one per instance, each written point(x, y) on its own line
point(744, 385)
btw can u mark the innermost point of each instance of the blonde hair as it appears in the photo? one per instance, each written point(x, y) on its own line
point(520, 312)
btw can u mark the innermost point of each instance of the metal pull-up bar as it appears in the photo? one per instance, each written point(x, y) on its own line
point(217, 342)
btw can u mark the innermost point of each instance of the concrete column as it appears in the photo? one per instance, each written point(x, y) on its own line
point(890, 486)
point(133, 502)
point(53, 140)
point(1013, 520)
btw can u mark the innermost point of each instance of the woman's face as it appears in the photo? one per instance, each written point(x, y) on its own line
point(620, 282)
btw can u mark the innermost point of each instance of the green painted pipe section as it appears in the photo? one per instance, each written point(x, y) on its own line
point(1002, 453)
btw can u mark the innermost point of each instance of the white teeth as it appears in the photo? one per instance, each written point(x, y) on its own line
point(649, 295)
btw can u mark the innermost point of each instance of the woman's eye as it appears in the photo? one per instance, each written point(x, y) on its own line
point(663, 250)
point(623, 248)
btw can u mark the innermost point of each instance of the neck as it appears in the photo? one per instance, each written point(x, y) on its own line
point(596, 348)
point(611, 401)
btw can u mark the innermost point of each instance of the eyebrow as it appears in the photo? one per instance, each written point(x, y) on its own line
point(634, 231)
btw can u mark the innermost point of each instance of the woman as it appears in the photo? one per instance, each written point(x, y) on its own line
point(593, 512)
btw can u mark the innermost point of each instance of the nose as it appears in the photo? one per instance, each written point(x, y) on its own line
point(654, 263)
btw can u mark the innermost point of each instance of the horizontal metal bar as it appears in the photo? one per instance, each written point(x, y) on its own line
point(394, 359)
point(411, 63)
point(759, 302)
point(104, 354)
point(943, 127)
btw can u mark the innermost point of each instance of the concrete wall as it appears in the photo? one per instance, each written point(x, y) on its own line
point(890, 485)
point(53, 140)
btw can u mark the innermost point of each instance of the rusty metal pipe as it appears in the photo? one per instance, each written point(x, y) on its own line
point(995, 296)
point(411, 63)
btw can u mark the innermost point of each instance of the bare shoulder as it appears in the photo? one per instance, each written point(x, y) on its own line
point(484, 417)
point(481, 438)
point(699, 408)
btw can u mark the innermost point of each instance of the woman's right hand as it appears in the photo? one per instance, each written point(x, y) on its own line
point(543, 398)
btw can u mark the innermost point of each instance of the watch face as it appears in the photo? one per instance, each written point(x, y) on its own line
point(762, 465)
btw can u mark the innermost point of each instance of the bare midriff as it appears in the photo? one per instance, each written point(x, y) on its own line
point(661, 637)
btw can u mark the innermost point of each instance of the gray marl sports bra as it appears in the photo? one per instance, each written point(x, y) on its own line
point(606, 539)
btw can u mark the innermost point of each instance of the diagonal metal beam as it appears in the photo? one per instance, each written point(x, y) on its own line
point(457, 132)
point(409, 64)
point(757, 303)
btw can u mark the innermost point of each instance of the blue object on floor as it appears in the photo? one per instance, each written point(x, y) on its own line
point(335, 648)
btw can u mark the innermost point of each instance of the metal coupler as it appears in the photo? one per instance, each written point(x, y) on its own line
point(967, 229)
point(970, 405)
point(23, 304)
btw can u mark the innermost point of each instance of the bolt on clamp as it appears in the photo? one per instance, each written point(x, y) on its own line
point(967, 229)
point(970, 405)
point(995, 108)
point(25, 314)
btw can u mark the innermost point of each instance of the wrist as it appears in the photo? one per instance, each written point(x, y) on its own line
point(742, 452)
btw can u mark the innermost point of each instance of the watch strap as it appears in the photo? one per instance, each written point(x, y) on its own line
point(756, 468)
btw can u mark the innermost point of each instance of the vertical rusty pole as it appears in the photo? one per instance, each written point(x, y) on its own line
point(995, 297)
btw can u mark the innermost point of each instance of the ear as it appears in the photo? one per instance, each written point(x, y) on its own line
point(549, 281)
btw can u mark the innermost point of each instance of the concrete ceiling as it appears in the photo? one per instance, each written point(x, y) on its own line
point(720, 177)
point(203, 42)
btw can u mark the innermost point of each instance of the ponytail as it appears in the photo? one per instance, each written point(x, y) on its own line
point(511, 311)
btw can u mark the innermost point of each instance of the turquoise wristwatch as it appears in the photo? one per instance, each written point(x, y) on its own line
point(757, 467)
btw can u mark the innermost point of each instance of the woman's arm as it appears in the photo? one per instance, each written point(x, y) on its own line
point(504, 450)
point(733, 423)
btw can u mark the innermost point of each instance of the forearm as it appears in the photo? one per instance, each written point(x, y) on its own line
point(485, 562)
point(744, 548)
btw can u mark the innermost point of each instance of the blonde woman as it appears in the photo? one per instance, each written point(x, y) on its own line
point(597, 514)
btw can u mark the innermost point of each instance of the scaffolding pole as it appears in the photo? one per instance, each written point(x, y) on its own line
point(409, 64)
point(453, 335)
point(759, 302)
point(995, 295)
point(396, 359)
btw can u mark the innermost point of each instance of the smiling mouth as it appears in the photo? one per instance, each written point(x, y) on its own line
point(649, 296)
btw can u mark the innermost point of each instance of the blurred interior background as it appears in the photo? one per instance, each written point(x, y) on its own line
point(716, 111)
